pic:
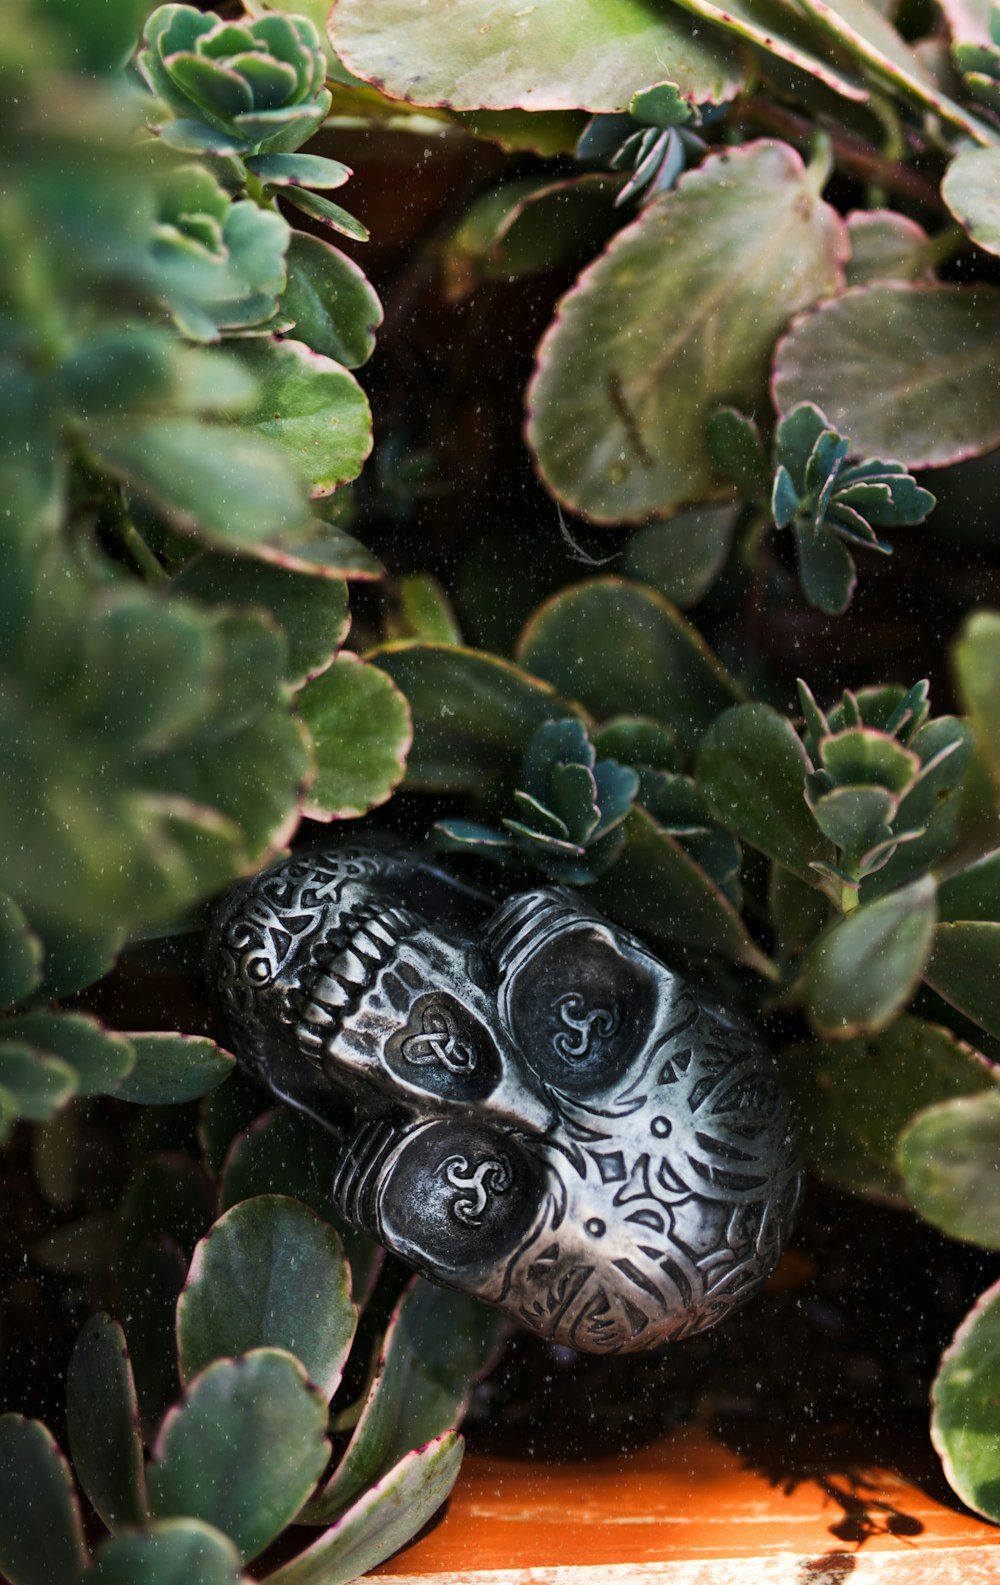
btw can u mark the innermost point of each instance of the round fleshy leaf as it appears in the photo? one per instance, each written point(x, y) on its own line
point(41, 1537)
point(473, 713)
point(753, 768)
point(854, 1098)
point(437, 1345)
point(977, 668)
point(886, 246)
point(309, 407)
point(966, 1390)
point(973, 893)
point(971, 189)
point(205, 475)
point(169, 1552)
point(626, 382)
point(271, 1274)
point(657, 888)
point(20, 954)
point(335, 309)
point(243, 1449)
point(171, 1068)
point(964, 968)
point(949, 1157)
point(664, 668)
point(312, 611)
point(477, 56)
point(682, 557)
point(383, 1520)
point(362, 730)
point(878, 359)
point(864, 970)
point(100, 1058)
point(102, 1420)
point(36, 1084)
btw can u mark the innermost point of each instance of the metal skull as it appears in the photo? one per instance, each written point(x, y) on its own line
point(533, 1108)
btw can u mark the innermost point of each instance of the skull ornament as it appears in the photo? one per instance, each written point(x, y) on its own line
point(533, 1108)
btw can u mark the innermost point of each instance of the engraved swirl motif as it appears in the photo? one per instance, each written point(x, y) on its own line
point(582, 1027)
point(492, 1176)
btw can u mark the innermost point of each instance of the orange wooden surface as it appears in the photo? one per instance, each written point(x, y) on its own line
point(688, 1500)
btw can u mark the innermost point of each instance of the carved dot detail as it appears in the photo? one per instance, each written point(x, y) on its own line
point(660, 1126)
point(595, 1227)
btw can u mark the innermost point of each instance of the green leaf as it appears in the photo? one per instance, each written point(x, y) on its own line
point(639, 741)
point(855, 818)
point(172, 1068)
point(853, 1098)
point(682, 558)
point(656, 888)
point(976, 660)
point(41, 1537)
point(425, 611)
point(963, 1407)
point(383, 1520)
point(285, 1152)
point(243, 1449)
point(971, 189)
point(102, 1416)
point(753, 768)
point(973, 893)
point(99, 1058)
point(328, 213)
point(322, 550)
point(877, 360)
point(20, 954)
point(949, 1157)
point(312, 612)
point(826, 569)
point(473, 713)
point(310, 408)
point(204, 476)
point(335, 309)
point(546, 58)
point(37, 1085)
point(887, 246)
point(626, 382)
point(436, 1346)
point(169, 1552)
point(362, 730)
point(861, 756)
point(298, 170)
point(735, 446)
point(664, 669)
point(269, 1273)
point(931, 804)
point(964, 968)
point(863, 971)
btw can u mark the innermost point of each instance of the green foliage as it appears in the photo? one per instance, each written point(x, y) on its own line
point(753, 292)
point(570, 806)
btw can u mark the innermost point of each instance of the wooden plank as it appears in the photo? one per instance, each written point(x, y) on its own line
point(689, 1511)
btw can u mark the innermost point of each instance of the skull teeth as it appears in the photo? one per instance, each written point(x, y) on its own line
point(330, 993)
point(348, 966)
point(362, 941)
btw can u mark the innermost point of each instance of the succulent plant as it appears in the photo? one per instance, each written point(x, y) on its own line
point(980, 65)
point(250, 94)
point(655, 141)
point(570, 805)
point(827, 502)
point(829, 506)
point(263, 1329)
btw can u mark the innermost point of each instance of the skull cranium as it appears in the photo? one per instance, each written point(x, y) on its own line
point(534, 1109)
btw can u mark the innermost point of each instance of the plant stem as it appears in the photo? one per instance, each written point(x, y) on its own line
point(853, 156)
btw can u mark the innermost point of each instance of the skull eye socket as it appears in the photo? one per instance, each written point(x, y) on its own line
point(580, 1010)
point(445, 1050)
point(458, 1199)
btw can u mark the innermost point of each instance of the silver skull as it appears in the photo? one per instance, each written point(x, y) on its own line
point(533, 1108)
